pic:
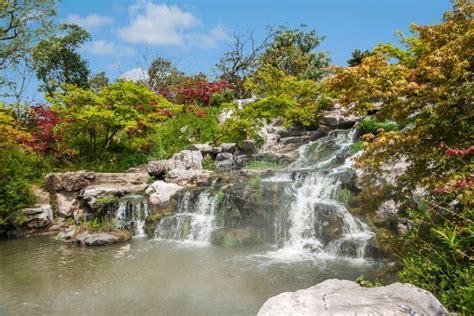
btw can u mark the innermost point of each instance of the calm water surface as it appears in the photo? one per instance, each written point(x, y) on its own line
point(42, 276)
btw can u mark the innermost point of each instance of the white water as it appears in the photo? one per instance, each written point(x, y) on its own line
point(316, 183)
point(193, 221)
point(132, 213)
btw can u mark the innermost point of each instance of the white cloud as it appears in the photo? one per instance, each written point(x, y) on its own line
point(104, 47)
point(209, 40)
point(161, 24)
point(135, 74)
point(89, 21)
point(157, 24)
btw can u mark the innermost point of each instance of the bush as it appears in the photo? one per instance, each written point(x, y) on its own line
point(372, 126)
point(184, 129)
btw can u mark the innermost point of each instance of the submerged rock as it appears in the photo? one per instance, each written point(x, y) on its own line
point(101, 238)
point(342, 297)
point(236, 237)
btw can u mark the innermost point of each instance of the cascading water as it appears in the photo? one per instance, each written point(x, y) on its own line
point(194, 219)
point(131, 214)
point(318, 222)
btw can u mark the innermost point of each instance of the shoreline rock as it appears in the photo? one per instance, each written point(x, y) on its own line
point(343, 297)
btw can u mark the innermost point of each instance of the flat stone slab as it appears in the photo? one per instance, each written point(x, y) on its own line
point(342, 297)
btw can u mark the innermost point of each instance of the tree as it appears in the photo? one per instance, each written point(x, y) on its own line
point(428, 84)
point(282, 97)
point(15, 191)
point(242, 59)
point(293, 51)
point(56, 61)
point(162, 74)
point(98, 81)
point(91, 121)
point(357, 57)
point(21, 24)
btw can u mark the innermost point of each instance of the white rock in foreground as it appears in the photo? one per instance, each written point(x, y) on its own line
point(342, 297)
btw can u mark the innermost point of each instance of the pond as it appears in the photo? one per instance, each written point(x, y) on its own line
point(44, 276)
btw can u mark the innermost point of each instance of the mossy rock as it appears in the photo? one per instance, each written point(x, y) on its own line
point(153, 219)
point(236, 237)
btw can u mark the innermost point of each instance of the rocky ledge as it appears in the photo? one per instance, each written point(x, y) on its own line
point(342, 297)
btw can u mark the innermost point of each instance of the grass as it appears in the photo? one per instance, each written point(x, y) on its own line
point(345, 196)
point(96, 225)
point(356, 147)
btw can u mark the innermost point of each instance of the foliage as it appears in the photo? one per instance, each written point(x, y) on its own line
point(263, 164)
point(357, 57)
point(162, 74)
point(21, 24)
point(98, 81)
point(356, 147)
point(98, 225)
point(184, 129)
point(208, 164)
point(367, 283)
point(429, 80)
point(255, 182)
point(293, 52)
point(56, 61)
point(192, 91)
point(120, 112)
point(370, 125)
point(15, 170)
point(345, 196)
point(285, 98)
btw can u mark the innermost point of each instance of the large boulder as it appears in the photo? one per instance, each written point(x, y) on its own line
point(188, 159)
point(159, 192)
point(94, 193)
point(189, 176)
point(38, 218)
point(342, 297)
point(158, 168)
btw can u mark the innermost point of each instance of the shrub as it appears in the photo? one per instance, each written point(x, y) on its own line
point(372, 126)
point(356, 147)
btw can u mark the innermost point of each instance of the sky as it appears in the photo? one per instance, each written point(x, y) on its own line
point(128, 34)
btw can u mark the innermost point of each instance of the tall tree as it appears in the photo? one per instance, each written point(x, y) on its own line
point(98, 81)
point(57, 62)
point(357, 57)
point(162, 73)
point(294, 52)
point(21, 24)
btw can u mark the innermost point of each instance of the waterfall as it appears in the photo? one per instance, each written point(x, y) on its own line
point(194, 219)
point(318, 221)
point(131, 214)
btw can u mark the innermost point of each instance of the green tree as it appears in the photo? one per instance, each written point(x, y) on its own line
point(56, 61)
point(15, 190)
point(428, 81)
point(282, 97)
point(93, 121)
point(162, 73)
point(357, 56)
point(98, 81)
point(21, 24)
point(294, 52)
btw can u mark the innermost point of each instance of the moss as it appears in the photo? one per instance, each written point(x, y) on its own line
point(356, 147)
point(230, 240)
point(263, 164)
point(345, 196)
point(255, 182)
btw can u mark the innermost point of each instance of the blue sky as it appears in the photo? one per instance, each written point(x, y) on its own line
point(194, 33)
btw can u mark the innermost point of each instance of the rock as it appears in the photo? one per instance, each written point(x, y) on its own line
point(228, 147)
point(189, 177)
point(224, 156)
point(203, 148)
point(67, 234)
point(339, 118)
point(225, 165)
point(69, 181)
point(67, 205)
point(296, 140)
point(248, 146)
point(342, 297)
point(95, 192)
point(160, 192)
point(158, 168)
point(236, 237)
point(39, 217)
point(98, 239)
point(188, 159)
